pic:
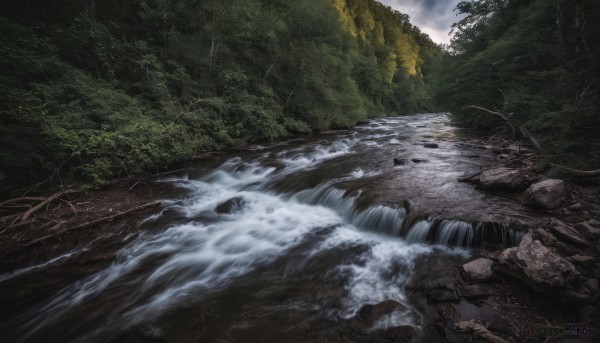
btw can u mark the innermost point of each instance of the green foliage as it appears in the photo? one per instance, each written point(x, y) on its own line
point(519, 58)
point(92, 93)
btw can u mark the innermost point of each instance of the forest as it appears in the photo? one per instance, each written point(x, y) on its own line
point(93, 90)
point(97, 90)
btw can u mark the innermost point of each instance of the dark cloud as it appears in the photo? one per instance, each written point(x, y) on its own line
point(434, 17)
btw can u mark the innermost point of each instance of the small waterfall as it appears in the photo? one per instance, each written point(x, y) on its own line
point(397, 221)
point(418, 233)
point(459, 233)
point(382, 219)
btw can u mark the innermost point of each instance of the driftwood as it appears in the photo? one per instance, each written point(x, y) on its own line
point(47, 201)
point(512, 125)
point(93, 222)
point(577, 172)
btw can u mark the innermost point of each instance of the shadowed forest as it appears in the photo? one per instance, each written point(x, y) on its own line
point(95, 90)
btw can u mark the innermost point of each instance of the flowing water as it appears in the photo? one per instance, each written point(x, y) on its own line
point(284, 243)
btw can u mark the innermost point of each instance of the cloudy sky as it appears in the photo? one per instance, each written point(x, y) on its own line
point(434, 17)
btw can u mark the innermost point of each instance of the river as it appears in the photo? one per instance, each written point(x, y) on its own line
point(283, 243)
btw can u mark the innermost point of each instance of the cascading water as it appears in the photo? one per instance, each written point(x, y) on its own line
point(248, 242)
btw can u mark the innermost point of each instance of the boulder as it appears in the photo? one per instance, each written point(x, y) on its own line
point(431, 145)
point(548, 194)
point(502, 178)
point(479, 269)
point(540, 265)
point(369, 314)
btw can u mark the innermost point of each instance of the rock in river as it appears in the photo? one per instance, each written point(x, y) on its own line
point(479, 269)
point(502, 178)
point(431, 145)
point(369, 314)
point(539, 264)
point(547, 194)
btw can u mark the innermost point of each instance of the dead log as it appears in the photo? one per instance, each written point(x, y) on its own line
point(47, 201)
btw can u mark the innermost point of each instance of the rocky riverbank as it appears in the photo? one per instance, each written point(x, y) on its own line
point(545, 289)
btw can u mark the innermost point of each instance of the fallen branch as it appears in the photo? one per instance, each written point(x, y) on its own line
point(577, 172)
point(93, 222)
point(521, 128)
point(10, 201)
point(48, 200)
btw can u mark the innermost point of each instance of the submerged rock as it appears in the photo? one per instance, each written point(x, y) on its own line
point(431, 145)
point(539, 264)
point(479, 269)
point(502, 178)
point(231, 206)
point(548, 194)
point(369, 313)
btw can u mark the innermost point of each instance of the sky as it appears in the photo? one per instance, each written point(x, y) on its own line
point(434, 17)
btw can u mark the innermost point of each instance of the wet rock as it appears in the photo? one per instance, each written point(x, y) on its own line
point(583, 260)
point(501, 178)
point(400, 161)
point(231, 206)
point(436, 280)
point(588, 230)
point(567, 232)
point(369, 314)
point(431, 145)
point(479, 330)
point(575, 207)
point(402, 333)
point(548, 194)
point(539, 264)
point(479, 269)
